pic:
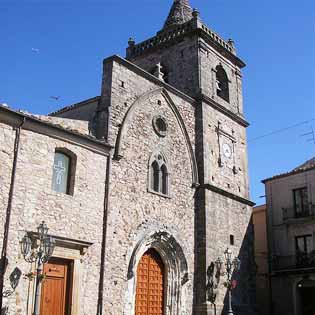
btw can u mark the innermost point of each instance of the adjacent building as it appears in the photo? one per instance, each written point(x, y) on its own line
point(261, 259)
point(291, 239)
point(142, 187)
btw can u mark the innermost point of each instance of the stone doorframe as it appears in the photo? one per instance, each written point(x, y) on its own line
point(72, 250)
point(176, 271)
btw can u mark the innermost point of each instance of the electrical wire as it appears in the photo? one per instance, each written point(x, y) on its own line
point(281, 130)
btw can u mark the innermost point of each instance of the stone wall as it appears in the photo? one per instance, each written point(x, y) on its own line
point(209, 60)
point(78, 217)
point(177, 60)
point(206, 219)
point(84, 111)
point(135, 212)
point(7, 138)
point(234, 135)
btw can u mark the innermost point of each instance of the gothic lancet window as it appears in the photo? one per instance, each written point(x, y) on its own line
point(164, 179)
point(155, 176)
point(222, 83)
point(158, 175)
point(63, 172)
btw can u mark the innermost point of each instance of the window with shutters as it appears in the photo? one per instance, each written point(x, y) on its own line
point(301, 205)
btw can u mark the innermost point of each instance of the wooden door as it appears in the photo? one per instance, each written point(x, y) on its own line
point(150, 285)
point(55, 297)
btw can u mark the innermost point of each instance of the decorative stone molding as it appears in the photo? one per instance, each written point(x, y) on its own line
point(129, 116)
point(176, 268)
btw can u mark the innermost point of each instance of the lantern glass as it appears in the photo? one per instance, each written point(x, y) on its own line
point(26, 245)
point(228, 254)
point(219, 263)
point(237, 264)
point(42, 230)
point(49, 246)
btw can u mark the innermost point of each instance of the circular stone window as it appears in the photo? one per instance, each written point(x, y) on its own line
point(160, 126)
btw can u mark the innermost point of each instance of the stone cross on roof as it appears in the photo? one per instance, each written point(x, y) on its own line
point(181, 12)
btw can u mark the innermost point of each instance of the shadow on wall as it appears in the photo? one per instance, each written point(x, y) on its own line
point(14, 279)
point(244, 294)
point(200, 271)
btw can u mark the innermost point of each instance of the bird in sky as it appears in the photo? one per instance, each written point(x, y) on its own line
point(56, 98)
point(35, 50)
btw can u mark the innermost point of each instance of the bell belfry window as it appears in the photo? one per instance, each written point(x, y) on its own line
point(63, 169)
point(158, 175)
point(222, 83)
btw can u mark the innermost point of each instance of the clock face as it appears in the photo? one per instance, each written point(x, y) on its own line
point(227, 150)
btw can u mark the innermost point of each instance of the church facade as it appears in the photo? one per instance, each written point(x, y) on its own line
point(142, 187)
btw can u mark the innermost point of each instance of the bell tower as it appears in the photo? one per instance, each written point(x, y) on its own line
point(194, 59)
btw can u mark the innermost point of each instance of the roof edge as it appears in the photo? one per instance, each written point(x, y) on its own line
point(74, 106)
point(57, 127)
point(294, 172)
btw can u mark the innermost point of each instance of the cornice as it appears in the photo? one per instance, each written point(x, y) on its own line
point(222, 50)
point(228, 194)
point(223, 110)
point(169, 37)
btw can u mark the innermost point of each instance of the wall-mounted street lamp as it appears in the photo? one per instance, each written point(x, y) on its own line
point(39, 255)
point(231, 265)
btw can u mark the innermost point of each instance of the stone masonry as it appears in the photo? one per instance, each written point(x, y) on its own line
point(114, 216)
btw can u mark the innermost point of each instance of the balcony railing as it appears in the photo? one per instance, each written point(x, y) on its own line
point(294, 262)
point(290, 213)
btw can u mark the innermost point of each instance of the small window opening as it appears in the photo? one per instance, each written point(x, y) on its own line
point(222, 83)
point(156, 176)
point(63, 172)
point(164, 179)
point(161, 125)
point(232, 240)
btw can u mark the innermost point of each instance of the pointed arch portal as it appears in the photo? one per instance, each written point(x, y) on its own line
point(169, 268)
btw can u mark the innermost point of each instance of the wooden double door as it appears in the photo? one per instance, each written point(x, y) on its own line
point(56, 288)
point(150, 292)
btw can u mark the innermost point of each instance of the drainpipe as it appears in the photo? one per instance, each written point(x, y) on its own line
point(105, 216)
point(4, 259)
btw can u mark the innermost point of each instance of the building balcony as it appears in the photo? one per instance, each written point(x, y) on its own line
point(291, 214)
point(294, 262)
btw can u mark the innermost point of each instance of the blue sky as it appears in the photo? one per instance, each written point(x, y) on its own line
point(275, 38)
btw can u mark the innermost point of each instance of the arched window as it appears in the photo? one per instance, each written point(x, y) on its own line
point(158, 175)
point(222, 83)
point(155, 176)
point(63, 172)
point(164, 179)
